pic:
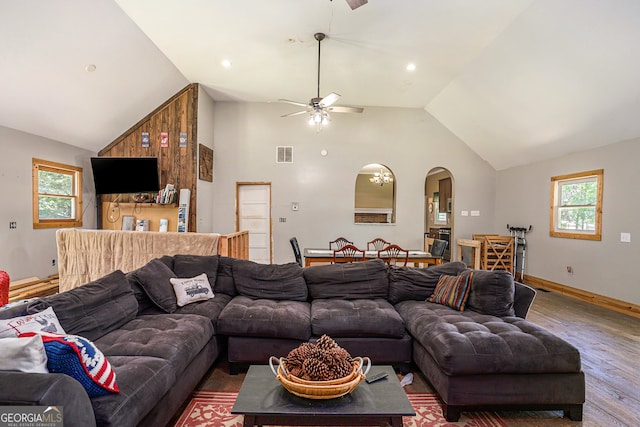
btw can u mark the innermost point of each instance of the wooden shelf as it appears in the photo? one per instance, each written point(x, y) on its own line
point(112, 213)
point(142, 205)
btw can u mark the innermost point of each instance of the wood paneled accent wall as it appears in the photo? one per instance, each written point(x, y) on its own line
point(178, 165)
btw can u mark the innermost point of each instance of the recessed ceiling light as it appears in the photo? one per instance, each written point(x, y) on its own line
point(226, 63)
point(411, 66)
point(90, 68)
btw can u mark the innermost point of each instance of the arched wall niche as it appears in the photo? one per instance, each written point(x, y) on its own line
point(375, 195)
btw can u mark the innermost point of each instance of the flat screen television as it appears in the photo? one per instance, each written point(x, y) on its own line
point(114, 175)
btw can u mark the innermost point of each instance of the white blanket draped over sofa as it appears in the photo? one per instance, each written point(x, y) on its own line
point(86, 255)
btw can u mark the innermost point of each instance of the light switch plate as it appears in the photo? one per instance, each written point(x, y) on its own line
point(464, 213)
point(475, 213)
point(625, 237)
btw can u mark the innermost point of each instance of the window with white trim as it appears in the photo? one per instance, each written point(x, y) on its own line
point(576, 205)
point(57, 194)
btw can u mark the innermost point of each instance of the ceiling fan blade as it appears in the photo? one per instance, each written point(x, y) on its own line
point(354, 4)
point(345, 109)
point(329, 99)
point(293, 114)
point(293, 102)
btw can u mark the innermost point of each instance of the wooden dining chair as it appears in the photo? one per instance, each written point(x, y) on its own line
point(498, 253)
point(339, 243)
point(394, 255)
point(348, 253)
point(480, 238)
point(377, 244)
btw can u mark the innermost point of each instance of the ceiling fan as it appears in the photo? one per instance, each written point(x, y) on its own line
point(354, 4)
point(318, 108)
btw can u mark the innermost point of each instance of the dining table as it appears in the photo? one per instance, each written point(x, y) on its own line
point(321, 255)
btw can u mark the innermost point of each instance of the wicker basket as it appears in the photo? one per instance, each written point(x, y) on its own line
point(320, 389)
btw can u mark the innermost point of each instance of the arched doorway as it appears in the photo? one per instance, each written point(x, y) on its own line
point(439, 201)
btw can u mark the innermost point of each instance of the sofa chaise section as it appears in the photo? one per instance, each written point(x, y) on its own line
point(487, 357)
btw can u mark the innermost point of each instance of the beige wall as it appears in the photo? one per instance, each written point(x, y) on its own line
point(605, 267)
point(410, 142)
point(205, 137)
point(26, 252)
point(244, 136)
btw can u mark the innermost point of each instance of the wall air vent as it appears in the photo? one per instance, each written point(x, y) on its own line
point(284, 154)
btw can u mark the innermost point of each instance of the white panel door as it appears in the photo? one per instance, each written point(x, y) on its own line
point(254, 215)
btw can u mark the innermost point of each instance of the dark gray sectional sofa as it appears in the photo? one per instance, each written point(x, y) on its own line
point(487, 356)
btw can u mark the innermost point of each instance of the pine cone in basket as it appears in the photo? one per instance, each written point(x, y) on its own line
point(339, 362)
point(316, 370)
point(336, 356)
point(326, 343)
point(297, 356)
point(325, 360)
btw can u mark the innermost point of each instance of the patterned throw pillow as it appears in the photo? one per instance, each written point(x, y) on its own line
point(452, 291)
point(79, 358)
point(44, 321)
point(192, 289)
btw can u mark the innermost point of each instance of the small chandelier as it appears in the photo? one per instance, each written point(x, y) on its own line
point(319, 118)
point(381, 178)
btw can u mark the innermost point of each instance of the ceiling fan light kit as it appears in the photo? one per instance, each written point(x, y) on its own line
point(319, 117)
point(318, 108)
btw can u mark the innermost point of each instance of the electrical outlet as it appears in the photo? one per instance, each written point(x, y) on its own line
point(569, 269)
point(625, 237)
point(53, 262)
point(13, 225)
point(282, 219)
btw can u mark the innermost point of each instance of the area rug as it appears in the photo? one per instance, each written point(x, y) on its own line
point(213, 409)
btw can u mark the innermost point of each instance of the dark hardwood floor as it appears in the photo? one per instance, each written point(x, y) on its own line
point(609, 343)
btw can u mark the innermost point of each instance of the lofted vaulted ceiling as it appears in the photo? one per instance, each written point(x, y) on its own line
point(517, 80)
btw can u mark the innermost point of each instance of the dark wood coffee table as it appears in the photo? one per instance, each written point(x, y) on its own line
point(264, 401)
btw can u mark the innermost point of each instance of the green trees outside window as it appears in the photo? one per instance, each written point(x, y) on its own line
point(57, 194)
point(576, 205)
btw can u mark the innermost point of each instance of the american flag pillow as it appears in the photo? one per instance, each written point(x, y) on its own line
point(79, 358)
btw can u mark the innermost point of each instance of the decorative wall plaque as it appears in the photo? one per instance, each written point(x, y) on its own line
point(206, 163)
